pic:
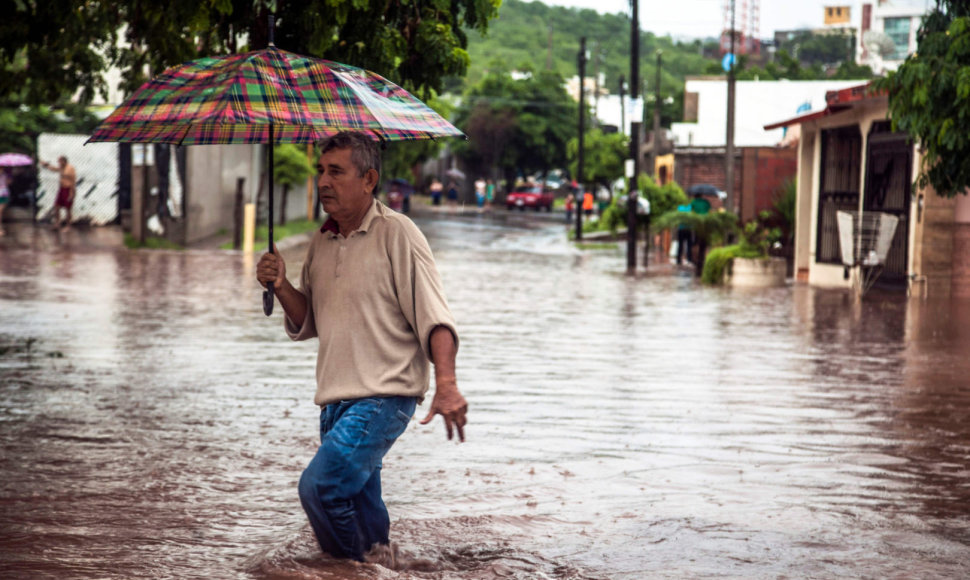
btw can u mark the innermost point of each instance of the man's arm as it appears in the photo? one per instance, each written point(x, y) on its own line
point(448, 400)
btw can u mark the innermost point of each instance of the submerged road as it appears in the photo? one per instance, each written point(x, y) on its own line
point(153, 423)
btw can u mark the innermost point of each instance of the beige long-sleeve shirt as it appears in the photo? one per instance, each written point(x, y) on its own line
point(373, 299)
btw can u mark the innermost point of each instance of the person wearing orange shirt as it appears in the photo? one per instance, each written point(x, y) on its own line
point(588, 203)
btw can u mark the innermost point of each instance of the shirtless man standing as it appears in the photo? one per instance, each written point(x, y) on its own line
point(67, 187)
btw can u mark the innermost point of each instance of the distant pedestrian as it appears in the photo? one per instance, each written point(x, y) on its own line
point(489, 193)
point(67, 188)
point(480, 186)
point(685, 237)
point(570, 206)
point(588, 204)
point(4, 196)
point(453, 194)
point(435, 190)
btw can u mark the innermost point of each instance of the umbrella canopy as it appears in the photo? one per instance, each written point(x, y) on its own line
point(15, 160)
point(268, 96)
point(706, 189)
point(455, 173)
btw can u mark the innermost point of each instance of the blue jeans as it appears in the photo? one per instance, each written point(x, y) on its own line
point(341, 488)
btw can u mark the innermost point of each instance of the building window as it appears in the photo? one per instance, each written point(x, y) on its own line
point(839, 187)
point(898, 30)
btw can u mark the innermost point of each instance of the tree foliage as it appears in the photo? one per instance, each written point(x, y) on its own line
point(785, 66)
point(662, 198)
point(52, 49)
point(603, 156)
point(519, 124)
point(811, 48)
point(929, 98)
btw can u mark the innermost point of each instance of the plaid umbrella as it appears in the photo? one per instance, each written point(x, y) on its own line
point(268, 96)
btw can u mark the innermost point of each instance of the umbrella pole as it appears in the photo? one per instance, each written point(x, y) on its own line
point(268, 294)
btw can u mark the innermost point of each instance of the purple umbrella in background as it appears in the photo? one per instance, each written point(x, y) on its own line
point(15, 160)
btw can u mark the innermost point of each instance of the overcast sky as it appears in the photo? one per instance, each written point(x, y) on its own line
point(703, 18)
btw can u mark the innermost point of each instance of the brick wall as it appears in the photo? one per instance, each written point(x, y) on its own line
point(766, 169)
point(759, 172)
point(696, 165)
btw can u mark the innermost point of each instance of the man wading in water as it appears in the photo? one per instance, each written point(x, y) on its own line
point(370, 292)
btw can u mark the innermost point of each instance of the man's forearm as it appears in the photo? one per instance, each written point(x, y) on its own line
point(293, 302)
point(443, 354)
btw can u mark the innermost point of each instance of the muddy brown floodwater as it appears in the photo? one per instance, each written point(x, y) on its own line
point(153, 423)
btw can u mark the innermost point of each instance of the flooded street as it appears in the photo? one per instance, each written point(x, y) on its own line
point(154, 424)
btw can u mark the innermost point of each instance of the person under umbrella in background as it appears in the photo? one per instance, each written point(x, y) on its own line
point(370, 293)
point(4, 196)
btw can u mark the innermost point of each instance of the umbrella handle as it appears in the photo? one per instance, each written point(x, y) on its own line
point(268, 299)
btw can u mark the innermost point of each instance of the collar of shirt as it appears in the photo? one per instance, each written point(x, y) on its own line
point(330, 226)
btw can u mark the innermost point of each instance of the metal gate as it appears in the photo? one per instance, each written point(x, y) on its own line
point(888, 189)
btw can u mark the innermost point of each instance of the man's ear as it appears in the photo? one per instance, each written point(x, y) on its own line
point(370, 180)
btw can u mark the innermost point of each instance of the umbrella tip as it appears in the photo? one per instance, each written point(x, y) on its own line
point(272, 26)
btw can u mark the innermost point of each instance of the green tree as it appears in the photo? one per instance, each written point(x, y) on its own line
point(603, 156)
point(811, 48)
point(291, 167)
point(52, 49)
point(662, 198)
point(929, 98)
point(521, 125)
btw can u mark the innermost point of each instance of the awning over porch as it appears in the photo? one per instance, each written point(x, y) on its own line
point(809, 116)
point(835, 102)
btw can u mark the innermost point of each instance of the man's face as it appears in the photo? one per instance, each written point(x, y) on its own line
point(343, 191)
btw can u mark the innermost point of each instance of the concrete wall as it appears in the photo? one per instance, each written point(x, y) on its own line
point(932, 245)
point(212, 171)
point(960, 284)
point(757, 103)
point(804, 218)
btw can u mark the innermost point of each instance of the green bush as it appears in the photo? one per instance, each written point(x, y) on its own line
point(755, 241)
point(716, 263)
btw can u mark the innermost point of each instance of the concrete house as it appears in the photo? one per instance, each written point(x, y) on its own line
point(850, 159)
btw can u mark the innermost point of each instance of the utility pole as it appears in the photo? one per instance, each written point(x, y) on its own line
point(655, 153)
point(631, 198)
point(596, 81)
point(582, 129)
point(622, 105)
point(656, 117)
point(729, 149)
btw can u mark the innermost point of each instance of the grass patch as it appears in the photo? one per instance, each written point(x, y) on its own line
point(286, 230)
point(596, 245)
point(151, 243)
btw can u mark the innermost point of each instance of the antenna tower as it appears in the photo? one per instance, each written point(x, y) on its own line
point(747, 26)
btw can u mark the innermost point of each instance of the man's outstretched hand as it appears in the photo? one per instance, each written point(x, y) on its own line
point(451, 405)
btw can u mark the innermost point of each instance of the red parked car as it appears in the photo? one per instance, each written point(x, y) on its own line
point(530, 195)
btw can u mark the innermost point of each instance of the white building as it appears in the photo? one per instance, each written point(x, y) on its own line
point(757, 103)
point(888, 33)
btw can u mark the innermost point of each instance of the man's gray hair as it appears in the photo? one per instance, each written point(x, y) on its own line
point(364, 152)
